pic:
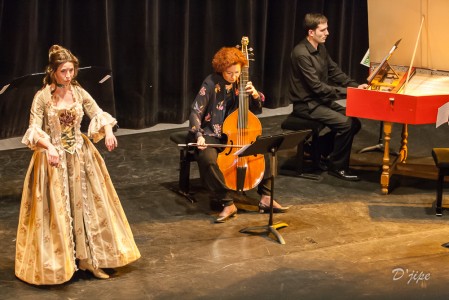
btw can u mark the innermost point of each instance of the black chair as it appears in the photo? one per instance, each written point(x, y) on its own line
point(296, 166)
point(186, 156)
point(441, 158)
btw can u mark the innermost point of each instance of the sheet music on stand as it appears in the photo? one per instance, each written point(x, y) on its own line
point(384, 66)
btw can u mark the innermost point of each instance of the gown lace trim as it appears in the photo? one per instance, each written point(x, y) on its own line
point(96, 127)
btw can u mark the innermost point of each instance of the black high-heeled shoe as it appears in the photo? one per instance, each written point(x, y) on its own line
point(222, 219)
point(276, 210)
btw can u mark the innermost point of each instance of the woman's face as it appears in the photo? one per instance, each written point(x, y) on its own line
point(64, 73)
point(232, 73)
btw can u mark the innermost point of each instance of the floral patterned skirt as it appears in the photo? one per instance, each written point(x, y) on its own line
point(68, 213)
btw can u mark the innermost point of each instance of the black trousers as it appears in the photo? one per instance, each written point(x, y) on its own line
point(213, 179)
point(342, 127)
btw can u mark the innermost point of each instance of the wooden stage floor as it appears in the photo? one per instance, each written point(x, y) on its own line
point(344, 240)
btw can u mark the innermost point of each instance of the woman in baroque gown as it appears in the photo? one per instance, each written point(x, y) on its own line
point(70, 212)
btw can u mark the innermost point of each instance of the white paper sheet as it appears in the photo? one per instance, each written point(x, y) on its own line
point(443, 114)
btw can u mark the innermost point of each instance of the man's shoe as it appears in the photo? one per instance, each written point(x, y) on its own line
point(343, 174)
point(322, 165)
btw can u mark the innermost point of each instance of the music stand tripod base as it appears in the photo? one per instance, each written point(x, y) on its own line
point(272, 144)
point(267, 228)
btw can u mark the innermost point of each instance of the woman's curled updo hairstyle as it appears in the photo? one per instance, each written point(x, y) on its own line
point(227, 57)
point(58, 55)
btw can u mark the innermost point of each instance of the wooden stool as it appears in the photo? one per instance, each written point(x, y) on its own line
point(186, 156)
point(441, 158)
point(296, 168)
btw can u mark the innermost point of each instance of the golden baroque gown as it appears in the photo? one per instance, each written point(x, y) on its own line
point(72, 211)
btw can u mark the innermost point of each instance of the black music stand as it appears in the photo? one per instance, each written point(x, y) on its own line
point(272, 144)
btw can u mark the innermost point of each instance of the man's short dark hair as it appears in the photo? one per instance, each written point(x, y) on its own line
point(312, 20)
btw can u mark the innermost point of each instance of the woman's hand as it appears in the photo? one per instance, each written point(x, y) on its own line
point(52, 156)
point(250, 89)
point(110, 141)
point(201, 143)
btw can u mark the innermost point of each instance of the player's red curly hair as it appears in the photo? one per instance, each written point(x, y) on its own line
point(227, 57)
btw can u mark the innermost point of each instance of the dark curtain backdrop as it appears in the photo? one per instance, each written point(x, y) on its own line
point(159, 51)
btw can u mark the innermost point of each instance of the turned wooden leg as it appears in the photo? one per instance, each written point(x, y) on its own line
point(385, 177)
point(403, 152)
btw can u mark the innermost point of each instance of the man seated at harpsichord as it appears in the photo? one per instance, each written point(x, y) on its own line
point(316, 82)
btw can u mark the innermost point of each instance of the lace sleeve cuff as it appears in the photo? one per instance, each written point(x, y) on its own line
point(96, 126)
point(33, 135)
